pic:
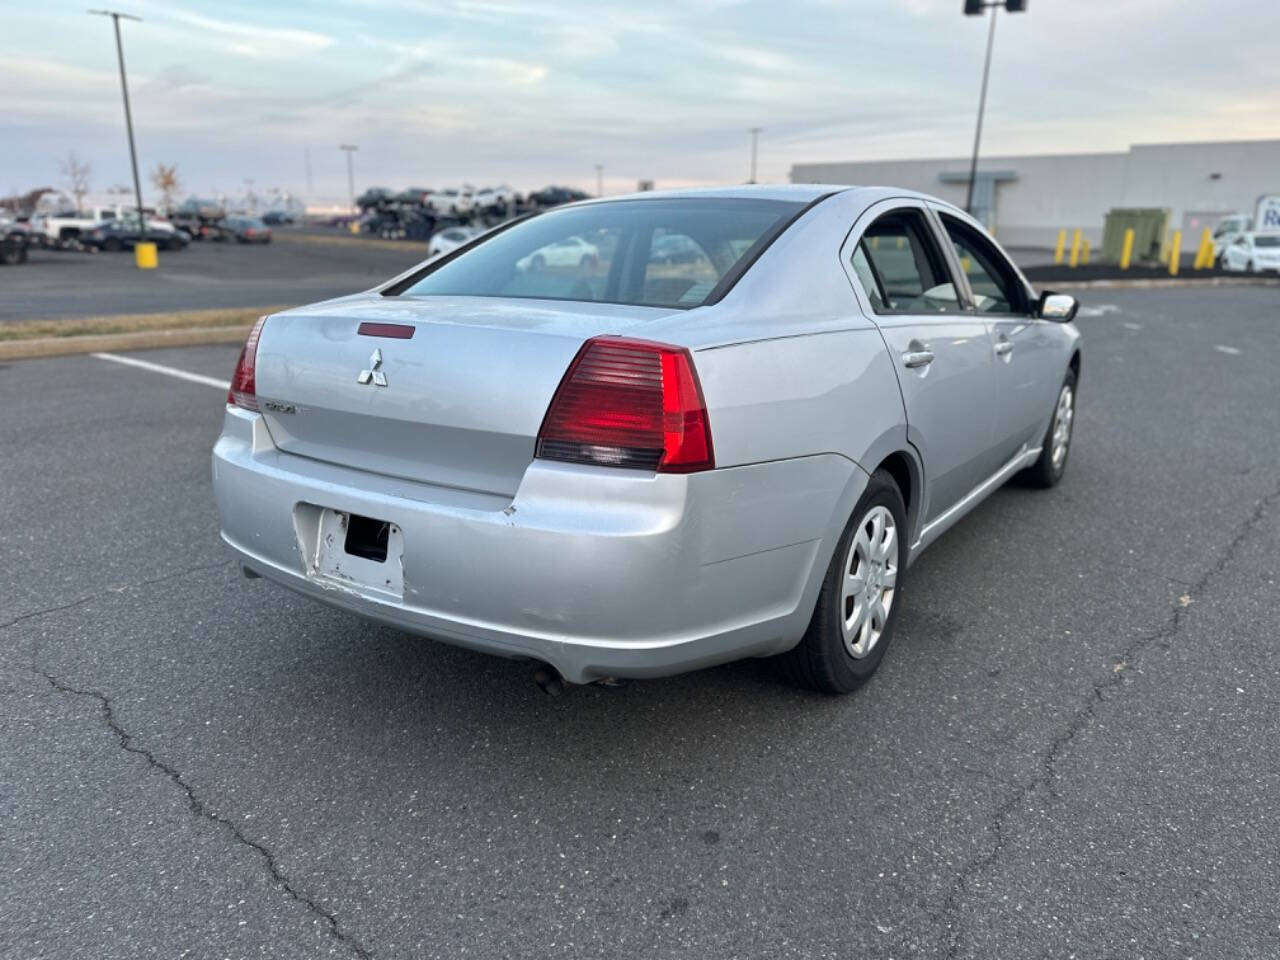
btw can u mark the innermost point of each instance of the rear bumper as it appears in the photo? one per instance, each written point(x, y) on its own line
point(598, 572)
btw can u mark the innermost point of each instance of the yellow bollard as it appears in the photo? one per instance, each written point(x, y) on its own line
point(1204, 256)
point(1175, 252)
point(354, 226)
point(1075, 250)
point(901, 241)
point(144, 255)
point(1126, 252)
point(1062, 242)
point(1084, 253)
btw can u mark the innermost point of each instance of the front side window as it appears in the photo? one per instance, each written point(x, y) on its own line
point(1273, 241)
point(660, 253)
point(995, 286)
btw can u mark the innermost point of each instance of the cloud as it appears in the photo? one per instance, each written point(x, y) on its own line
point(254, 40)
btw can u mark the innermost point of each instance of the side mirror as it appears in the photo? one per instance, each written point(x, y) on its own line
point(1059, 307)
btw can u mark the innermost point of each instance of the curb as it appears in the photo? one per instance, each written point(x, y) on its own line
point(1160, 283)
point(142, 340)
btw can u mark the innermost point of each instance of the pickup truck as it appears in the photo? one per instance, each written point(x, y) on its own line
point(64, 229)
point(1265, 218)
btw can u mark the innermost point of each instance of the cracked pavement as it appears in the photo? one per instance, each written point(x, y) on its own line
point(1070, 750)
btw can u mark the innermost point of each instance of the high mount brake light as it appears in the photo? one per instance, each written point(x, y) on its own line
point(629, 403)
point(244, 385)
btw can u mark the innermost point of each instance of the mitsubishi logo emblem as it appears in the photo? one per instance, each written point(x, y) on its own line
point(374, 374)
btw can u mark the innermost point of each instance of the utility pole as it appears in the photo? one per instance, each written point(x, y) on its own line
point(351, 177)
point(977, 8)
point(306, 156)
point(599, 179)
point(128, 116)
point(755, 140)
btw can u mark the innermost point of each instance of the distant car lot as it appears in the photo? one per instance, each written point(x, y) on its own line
point(1071, 749)
point(299, 267)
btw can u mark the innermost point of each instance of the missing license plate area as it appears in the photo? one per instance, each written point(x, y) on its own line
point(351, 551)
point(367, 538)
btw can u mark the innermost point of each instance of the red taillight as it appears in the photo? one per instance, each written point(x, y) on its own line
point(244, 386)
point(629, 403)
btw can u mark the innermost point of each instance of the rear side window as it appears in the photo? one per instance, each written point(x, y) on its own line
point(906, 269)
point(660, 253)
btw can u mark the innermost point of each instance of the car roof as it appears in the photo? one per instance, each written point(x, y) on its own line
point(795, 192)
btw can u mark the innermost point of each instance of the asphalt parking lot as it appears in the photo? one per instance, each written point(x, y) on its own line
point(1070, 750)
point(296, 267)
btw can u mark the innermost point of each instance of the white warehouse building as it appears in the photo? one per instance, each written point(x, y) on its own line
point(1027, 200)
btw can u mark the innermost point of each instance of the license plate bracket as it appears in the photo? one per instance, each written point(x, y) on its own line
point(359, 553)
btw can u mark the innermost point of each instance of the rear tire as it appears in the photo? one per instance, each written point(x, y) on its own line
point(853, 620)
point(1047, 471)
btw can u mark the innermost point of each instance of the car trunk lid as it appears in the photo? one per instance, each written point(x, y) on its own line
point(458, 402)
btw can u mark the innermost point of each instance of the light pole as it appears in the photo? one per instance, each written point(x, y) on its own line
point(977, 8)
point(350, 148)
point(599, 179)
point(755, 139)
point(128, 116)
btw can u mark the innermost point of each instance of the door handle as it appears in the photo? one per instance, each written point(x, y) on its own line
point(917, 358)
point(1004, 348)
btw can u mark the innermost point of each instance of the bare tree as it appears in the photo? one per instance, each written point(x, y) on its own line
point(165, 179)
point(77, 175)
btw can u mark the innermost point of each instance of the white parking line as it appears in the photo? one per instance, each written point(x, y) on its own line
point(1101, 310)
point(1233, 351)
point(167, 371)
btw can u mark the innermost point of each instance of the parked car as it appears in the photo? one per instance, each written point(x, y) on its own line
point(451, 202)
point(278, 218)
point(15, 239)
point(121, 235)
point(247, 230)
point(65, 227)
point(448, 240)
point(555, 196)
point(374, 197)
point(492, 199)
point(413, 195)
point(671, 248)
point(662, 472)
point(201, 219)
point(565, 252)
point(1250, 252)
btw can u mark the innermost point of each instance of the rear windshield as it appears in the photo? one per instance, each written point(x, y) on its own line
point(659, 253)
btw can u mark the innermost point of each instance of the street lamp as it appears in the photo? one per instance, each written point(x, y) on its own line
point(755, 139)
point(977, 8)
point(128, 117)
point(351, 177)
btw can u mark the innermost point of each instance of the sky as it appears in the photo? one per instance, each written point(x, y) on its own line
point(442, 92)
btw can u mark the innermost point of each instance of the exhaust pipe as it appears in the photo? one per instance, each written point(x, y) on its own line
point(549, 680)
point(551, 683)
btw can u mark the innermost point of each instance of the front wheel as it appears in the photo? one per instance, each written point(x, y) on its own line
point(1048, 469)
point(853, 621)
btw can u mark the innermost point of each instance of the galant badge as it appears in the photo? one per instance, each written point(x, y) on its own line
point(374, 374)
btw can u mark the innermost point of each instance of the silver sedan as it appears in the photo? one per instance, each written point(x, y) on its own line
point(634, 464)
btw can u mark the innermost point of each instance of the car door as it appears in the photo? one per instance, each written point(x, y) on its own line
point(941, 351)
point(1028, 361)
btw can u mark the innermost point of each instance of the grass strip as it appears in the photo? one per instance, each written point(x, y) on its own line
point(133, 322)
